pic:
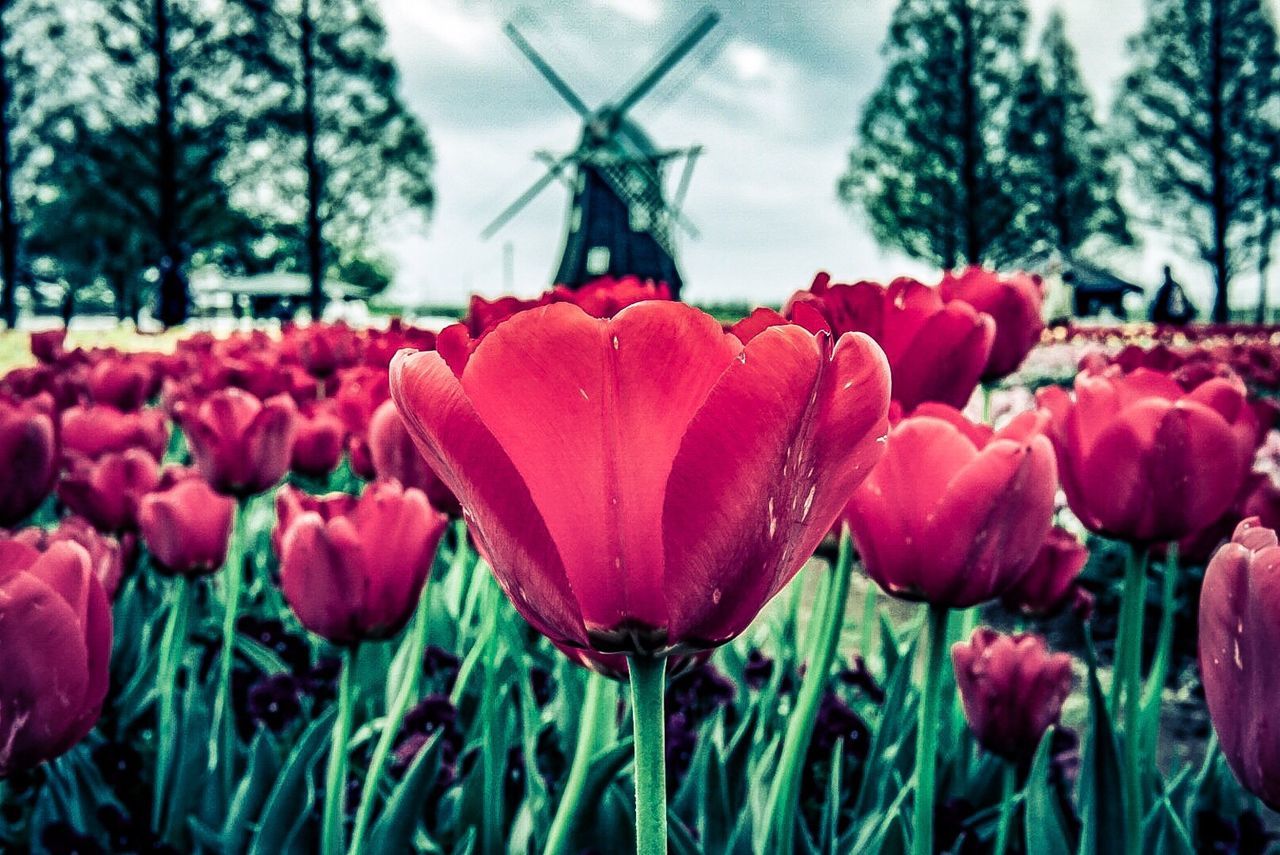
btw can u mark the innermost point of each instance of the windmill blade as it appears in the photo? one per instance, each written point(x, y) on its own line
point(544, 68)
point(556, 165)
point(686, 175)
point(553, 172)
point(692, 34)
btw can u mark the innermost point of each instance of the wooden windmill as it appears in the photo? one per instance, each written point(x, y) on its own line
point(620, 221)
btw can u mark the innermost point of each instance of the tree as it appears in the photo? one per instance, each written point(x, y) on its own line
point(94, 229)
point(173, 95)
point(27, 78)
point(1065, 181)
point(1194, 113)
point(929, 165)
point(342, 151)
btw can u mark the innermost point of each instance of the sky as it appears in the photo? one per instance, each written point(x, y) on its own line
point(773, 101)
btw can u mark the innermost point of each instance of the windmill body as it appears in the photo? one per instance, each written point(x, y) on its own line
point(620, 222)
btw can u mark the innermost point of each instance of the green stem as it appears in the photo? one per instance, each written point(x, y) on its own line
point(648, 682)
point(1008, 800)
point(869, 623)
point(335, 782)
point(1154, 690)
point(222, 734)
point(416, 645)
point(927, 731)
point(594, 712)
point(784, 797)
point(172, 645)
point(1128, 656)
point(1127, 686)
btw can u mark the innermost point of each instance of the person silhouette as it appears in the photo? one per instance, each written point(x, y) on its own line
point(1171, 305)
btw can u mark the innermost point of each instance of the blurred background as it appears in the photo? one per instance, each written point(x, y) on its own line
point(161, 159)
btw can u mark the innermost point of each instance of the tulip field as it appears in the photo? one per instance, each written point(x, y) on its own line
point(891, 569)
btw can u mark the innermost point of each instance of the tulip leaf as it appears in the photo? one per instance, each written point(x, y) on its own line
point(394, 828)
point(255, 786)
point(1045, 831)
point(291, 797)
point(1101, 781)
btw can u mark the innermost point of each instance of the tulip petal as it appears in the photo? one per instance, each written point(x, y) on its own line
point(591, 413)
point(745, 507)
point(496, 502)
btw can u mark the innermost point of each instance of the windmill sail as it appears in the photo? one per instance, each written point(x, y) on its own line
point(619, 222)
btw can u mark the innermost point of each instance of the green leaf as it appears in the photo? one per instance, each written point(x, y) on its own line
point(1101, 782)
point(291, 797)
point(1045, 832)
point(262, 770)
point(394, 828)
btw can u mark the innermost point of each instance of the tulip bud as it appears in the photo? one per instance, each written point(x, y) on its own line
point(353, 571)
point(1013, 302)
point(1012, 689)
point(106, 491)
point(1047, 587)
point(55, 631)
point(28, 455)
point(1239, 636)
point(97, 429)
point(937, 351)
point(317, 448)
point(123, 382)
point(394, 455)
point(47, 346)
point(240, 445)
point(187, 527)
point(1144, 461)
point(106, 553)
point(950, 516)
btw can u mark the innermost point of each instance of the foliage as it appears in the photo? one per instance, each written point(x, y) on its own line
point(930, 167)
point(1065, 179)
point(1197, 113)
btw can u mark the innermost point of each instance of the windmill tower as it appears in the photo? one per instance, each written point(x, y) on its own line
point(619, 221)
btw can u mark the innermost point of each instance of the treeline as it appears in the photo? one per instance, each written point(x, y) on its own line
point(975, 149)
point(140, 139)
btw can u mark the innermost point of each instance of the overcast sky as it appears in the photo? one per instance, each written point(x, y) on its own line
point(775, 106)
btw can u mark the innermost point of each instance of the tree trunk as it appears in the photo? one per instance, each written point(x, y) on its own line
point(315, 181)
point(975, 247)
point(1221, 201)
point(173, 282)
point(8, 219)
point(1264, 264)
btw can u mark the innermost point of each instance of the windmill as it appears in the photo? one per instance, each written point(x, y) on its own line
point(619, 222)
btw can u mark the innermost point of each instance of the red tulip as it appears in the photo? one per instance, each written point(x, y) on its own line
point(937, 351)
point(1049, 584)
point(123, 382)
point(187, 527)
point(97, 429)
point(47, 346)
point(1239, 636)
point(1014, 302)
point(1144, 461)
point(950, 516)
point(354, 570)
point(1012, 689)
point(106, 553)
point(106, 491)
point(317, 447)
point(55, 631)
point(393, 454)
point(644, 484)
point(28, 455)
point(242, 446)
